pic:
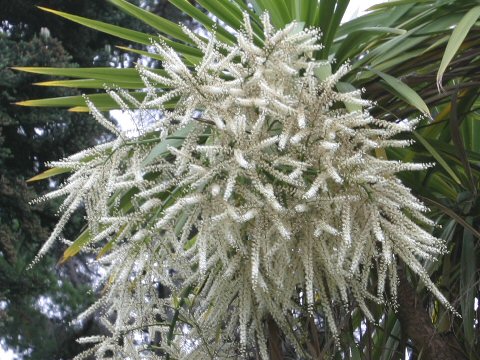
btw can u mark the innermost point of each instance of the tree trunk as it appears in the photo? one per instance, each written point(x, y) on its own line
point(274, 340)
point(417, 325)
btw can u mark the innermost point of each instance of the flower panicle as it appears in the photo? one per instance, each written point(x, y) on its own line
point(258, 183)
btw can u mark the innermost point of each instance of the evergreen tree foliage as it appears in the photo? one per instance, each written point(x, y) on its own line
point(28, 139)
point(87, 47)
point(37, 306)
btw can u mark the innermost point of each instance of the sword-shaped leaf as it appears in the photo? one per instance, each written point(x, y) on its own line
point(157, 22)
point(403, 91)
point(48, 174)
point(98, 73)
point(458, 35)
point(126, 34)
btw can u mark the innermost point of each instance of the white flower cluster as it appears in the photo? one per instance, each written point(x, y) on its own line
point(258, 196)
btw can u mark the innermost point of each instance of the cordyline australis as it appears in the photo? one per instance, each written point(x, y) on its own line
point(258, 196)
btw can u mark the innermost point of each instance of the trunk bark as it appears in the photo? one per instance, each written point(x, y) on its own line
point(417, 325)
point(274, 340)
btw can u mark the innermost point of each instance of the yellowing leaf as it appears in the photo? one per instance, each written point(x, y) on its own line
point(77, 245)
point(48, 174)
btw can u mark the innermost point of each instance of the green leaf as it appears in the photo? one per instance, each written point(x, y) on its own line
point(230, 15)
point(99, 73)
point(278, 10)
point(453, 214)
point(335, 19)
point(189, 59)
point(141, 52)
point(92, 84)
point(383, 30)
point(344, 87)
point(114, 30)
point(300, 10)
point(390, 4)
point(323, 71)
point(175, 140)
point(85, 109)
point(254, 18)
point(456, 40)
point(100, 100)
point(326, 11)
point(391, 64)
point(437, 156)
point(157, 22)
point(455, 123)
point(109, 245)
point(389, 348)
point(391, 49)
point(470, 131)
point(449, 149)
point(77, 245)
point(438, 25)
point(126, 34)
point(48, 174)
point(404, 91)
point(203, 19)
point(346, 47)
point(384, 18)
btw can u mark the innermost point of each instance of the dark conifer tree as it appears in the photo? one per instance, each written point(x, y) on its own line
point(37, 305)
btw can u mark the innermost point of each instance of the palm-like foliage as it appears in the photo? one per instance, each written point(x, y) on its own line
point(399, 53)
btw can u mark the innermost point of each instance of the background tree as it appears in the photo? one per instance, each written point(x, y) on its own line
point(398, 51)
point(23, 19)
point(37, 306)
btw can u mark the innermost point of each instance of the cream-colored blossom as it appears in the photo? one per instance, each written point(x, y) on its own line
point(266, 201)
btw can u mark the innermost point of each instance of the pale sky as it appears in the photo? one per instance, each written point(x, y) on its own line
point(360, 6)
point(355, 8)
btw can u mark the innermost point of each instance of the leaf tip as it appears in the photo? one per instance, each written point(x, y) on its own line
point(78, 109)
point(22, 103)
point(44, 83)
point(440, 88)
point(64, 258)
point(45, 8)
